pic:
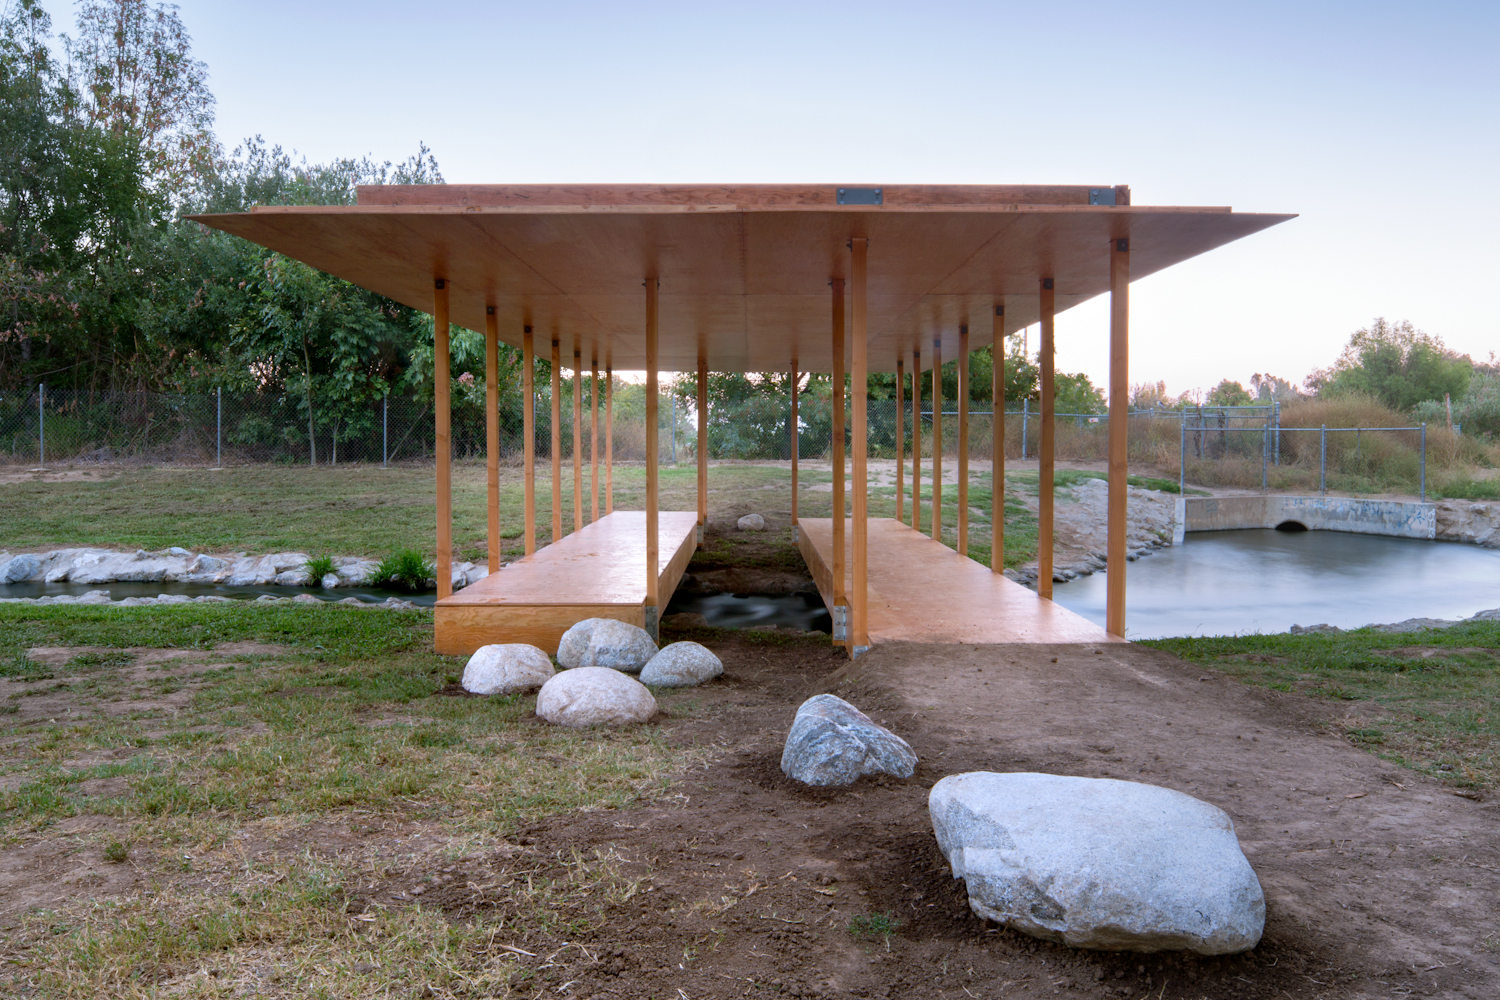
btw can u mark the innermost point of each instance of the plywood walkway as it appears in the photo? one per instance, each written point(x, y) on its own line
point(923, 591)
point(599, 572)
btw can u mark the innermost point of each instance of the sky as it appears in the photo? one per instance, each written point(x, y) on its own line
point(1378, 123)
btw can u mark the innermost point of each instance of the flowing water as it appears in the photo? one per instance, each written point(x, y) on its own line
point(1262, 580)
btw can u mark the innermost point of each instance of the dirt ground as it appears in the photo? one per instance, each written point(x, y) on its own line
point(1378, 883)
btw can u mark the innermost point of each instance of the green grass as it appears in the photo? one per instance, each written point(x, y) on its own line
point(1429, 700)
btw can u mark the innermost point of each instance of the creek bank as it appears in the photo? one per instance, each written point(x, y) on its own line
point(102, 597)
point(1080, 528)
point(1410, 625)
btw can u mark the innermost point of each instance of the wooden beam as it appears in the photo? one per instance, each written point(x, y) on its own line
point(1119, 434)
point(528, 429)
point(609, 439)
point(997, 445)
point(443, 443)
point(702, 448)
point(796, 443)
point(916, 440)
point(556, 440)
point(492, 434)
point(859, 616)
point(840, 599)
point(937, 440)
point(900, 437)
point(963, 439)
point(577, 439)
point(653, 435)
point(594, 440)
point(1045, 453)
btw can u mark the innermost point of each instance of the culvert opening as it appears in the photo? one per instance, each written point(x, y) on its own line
point(1291, 526)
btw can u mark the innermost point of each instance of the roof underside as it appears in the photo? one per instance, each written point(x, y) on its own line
point(744, 271)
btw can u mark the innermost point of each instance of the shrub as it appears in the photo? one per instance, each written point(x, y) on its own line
point(318, 567)
point(407, 570)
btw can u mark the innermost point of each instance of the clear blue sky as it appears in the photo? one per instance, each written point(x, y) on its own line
point(1378, 122)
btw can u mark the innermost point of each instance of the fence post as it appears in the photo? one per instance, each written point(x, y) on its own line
point(1276, 403)
point(219, 428)
point(1424, 463)
point(1265, 458)
point(674, 428)
point(1323, 461)
point(385, 422)
point(1025, 419)
point(1182, 459)
point(41, 424)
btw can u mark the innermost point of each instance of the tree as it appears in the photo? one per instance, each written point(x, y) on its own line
point(1397, 364)
point(1228, 393)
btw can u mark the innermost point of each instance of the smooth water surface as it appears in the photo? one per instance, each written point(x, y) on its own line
point(804, 611)
point(1237, 582)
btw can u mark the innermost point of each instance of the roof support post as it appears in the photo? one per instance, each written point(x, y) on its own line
point(594, 439)
point(557, 531)
point(796, 442)
point(859, 637)
point(492, 434)
point(528, 430)
point(1045, 453)
point(900, 436)
point(997, 446)
point(577, 438)
point(1119, 434)
point(963, 439)
point(653, 435)
point(840, 599)
point(442, 419)
point(916, 440)
point(937, 440)
point(609, 438)
point(702, 447)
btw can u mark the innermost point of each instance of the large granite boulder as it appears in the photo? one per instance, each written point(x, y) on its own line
point(832, 743)
point(751, 522)
point(594, 696)
point(506, 668)
point(682, 664)
point(605, 642)
point(21, 567)
point(1099, 863)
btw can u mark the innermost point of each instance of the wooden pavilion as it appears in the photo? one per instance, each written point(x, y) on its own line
point(801, 278)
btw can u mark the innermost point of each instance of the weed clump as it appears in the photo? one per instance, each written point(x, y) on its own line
point(407, 570)
point(318, 567)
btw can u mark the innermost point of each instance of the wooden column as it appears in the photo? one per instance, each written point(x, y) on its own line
point(653, 435)
point(997, 446)
point(840, 600)
point(443, 444)
point(1045, 453)
point(916, 440)
point(859, 606)
point(528, 429)
point(492, 433)
point(796, 444)
point(609, 438)
point(702, 448)
point(594, 440)
point(556, 441)
point(963, 439)
point(577, 439)
point(900, 437)
point(1119, 434)
point(937, 440)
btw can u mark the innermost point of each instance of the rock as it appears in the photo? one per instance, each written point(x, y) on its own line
point(1413, 625)
point(329, 581)
point(832, 743)
point(474, 574)
point(682, 664)
point(751, 522)
point(305, 599)
point(506, 668)
point(594, 696)
point(1492, 615)
point(1324, 629)
point(605, 642)
point(178, 550)
point(1099, 863)
point(291, 578)
point(21, 567)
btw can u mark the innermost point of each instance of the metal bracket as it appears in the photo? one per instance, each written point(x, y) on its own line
point(653, 622)
point(1101, 196)
point(796, 533)
point(840, 622)
point(699, 537)
point(874, 196)
point(858, 651)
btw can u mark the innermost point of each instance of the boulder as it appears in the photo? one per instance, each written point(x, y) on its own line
point(292, 578)
point(1099, 863)
point(605, 642)
point(832, 743)
point(594, 696)
point(21, 567)
point(682, 664)
point(751, 522)
point(506, 668)
point(329, 581)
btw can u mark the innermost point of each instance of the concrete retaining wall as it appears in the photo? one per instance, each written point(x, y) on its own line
point(1365, 517)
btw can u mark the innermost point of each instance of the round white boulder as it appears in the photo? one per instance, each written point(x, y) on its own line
point(751, 522)
point(575, 643)
point(682, 664)
point(832, 744)
point(506, 668)
point(594, 696)
point(605, 642)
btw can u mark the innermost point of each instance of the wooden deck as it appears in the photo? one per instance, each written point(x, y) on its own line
point(923, 591)
point(598, 572)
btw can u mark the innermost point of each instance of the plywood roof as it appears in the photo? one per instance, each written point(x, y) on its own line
point(744, 271)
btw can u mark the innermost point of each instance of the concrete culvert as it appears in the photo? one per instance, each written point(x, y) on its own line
point(1291, 526)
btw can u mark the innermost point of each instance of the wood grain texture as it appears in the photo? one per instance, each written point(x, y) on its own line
point(742, 196)
point(859, 607)
point(653, 444)
point(997, 443)
point(557, 531)
point(528, 428)
point(796, 442)
point(594, 440)
point(443, 441)
point(1046, 454)
point(916, 440)
point(963, 439)
point(838, 468)
point(900, 437)
point(492, 440)
point(577, 441)
point(937, 440)
point(703, 441)
point(609, 440)
point(1119, 429)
